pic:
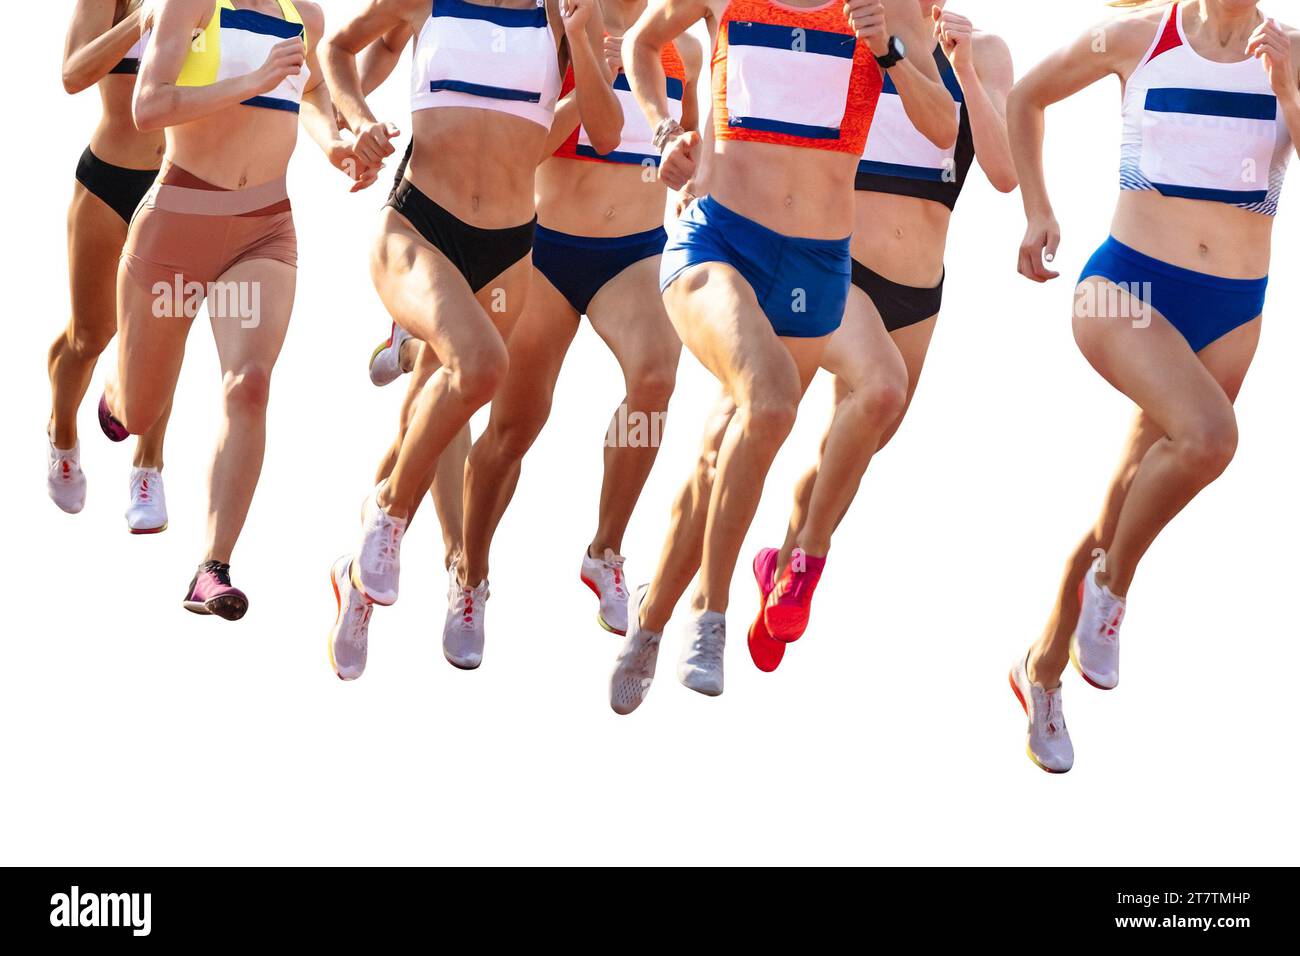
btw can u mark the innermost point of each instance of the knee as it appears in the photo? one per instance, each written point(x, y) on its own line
point(477, 378)
point(512, 439)
point(651, 385)
point(247, 390)
point(771, 416)
point(881, 401)
point(1208, 448)
point(82, 343)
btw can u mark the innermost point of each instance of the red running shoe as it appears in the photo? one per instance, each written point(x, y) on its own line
point(763, 649)
point(212, 593)
point(786, 612)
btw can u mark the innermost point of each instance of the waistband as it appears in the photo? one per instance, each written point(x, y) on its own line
point(183, 192)
point(656, 234)
point(407, 191)
point(1178, 273)
point(90, 157)
point(719, 214)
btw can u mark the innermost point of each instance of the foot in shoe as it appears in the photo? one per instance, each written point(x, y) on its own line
point(350, 635)
point(765, 650)
point(377, 566)
point(386, 363)
point(113, 429)
point(65, 481)
point(147, 512)
point(634, 670)
point(212, 593)
point(1094, 647)
point(705, 640)
point(604, 575)
point(789, 606)
point(1047, 739)
point(463, 633)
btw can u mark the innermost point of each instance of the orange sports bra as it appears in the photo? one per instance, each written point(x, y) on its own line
point(794, 76)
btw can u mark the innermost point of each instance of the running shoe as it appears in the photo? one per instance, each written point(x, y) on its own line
point(147, 513)
point(604, 576)
point(463, 635)
point(66, 482)
point(700, 665)
point(212, 593)
point(1094, 646)
point(786, 614)
point(350, 635)
point(377, 566)
point(765, 650)
point(112, 428)
point(634, 671)
point(1048, 739)
point(386, 360)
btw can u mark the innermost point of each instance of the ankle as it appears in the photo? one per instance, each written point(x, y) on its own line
point(1044, 673)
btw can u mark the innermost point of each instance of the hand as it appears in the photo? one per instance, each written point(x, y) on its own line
point(867, 17)
point(285, 59)
point(1042, 237)
point(374, 142)
point(685, 198)
point(1272, 46)
point(953, 31)
point(342, 156)
point(574, 14)
point(680, 159)
point(613, 53)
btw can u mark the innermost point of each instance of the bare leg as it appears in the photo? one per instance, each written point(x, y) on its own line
point(628, 314)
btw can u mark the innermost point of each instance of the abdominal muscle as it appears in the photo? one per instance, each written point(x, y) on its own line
point(599, 200)
point(117, 140)
point(238, 147)
point(1209, 237)
point(806, 193)
point(900, 237)
point(479, 165)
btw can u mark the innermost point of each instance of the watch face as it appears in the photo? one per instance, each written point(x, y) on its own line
point(898, 48)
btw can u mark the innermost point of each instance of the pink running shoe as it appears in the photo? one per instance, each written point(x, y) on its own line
point(787, 610)
point(765, 651)
point(112, 428)
point(212, 593)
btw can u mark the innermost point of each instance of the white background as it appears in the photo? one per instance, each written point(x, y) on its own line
point(136, 733)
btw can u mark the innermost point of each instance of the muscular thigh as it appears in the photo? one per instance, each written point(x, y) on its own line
point(628, 314)
point(537, 347)
point(96, 235)
point(247, 340)
point(861, 352)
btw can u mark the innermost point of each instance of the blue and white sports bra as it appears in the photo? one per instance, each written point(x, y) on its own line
point(487, 58)
point(1198, 129)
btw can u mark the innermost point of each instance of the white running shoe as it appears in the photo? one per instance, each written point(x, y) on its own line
point(634, 671)
point(350, 635)
point(377, 565)
point(463, 634)
point(605, 577)
point(66, 481)
point(700, 666)
point(1048, 739)
point(1094, 646)
point(147, 513)
point(386, 360)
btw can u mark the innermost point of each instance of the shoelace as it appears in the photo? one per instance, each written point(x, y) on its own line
point(615, 564)
point(1052, 719)
point(464, 601)
point(140, 488)
point(1108, 629)
point(219, 571)
point(361, 617)
point(709, 645)
point(388, 550)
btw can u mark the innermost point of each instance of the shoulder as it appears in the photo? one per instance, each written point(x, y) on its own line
point(313, 17)
point(1130, 33)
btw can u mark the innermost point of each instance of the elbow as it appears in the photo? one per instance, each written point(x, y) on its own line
point(148, 114)
point(74, 81)
point(944, 135)
point(604, 142)
point(1005, 182)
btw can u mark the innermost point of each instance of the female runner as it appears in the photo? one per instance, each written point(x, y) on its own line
point(757, 276)
point(219, 220)
point(452, 263)
point(600, 234)
point(116, 170)
point(906, 191)
point(1168, 309)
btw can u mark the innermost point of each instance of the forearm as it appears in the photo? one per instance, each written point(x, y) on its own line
point(645, 75)
point(344, 80)
point(565, 122)
point(927, 103)
point(1025, 128)
point(376, 64)
point(86, 66)
point(317, 118)
point(601, 113)
point(163, 105)
point(989, 131)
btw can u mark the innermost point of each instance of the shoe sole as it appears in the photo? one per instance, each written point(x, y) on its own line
point(461, 667)
point(147, 530)
point(226, 607)
point(1011, 679)
point(600, 618)
point(704, 692)
point(1074, 659)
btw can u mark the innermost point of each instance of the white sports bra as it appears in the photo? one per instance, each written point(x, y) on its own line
point(487, 58)
point(1197, 129)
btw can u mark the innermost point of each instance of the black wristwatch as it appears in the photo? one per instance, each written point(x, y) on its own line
point(897, 52)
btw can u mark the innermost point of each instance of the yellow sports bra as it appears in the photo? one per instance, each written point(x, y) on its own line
point(237, 42)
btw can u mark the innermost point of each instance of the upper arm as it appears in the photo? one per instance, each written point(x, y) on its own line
point(1111, 48)
point(90, 19)
point(173, 23)
point(377, 18)
point(994, 67)
point(692, 54)
point(665, 20)
point(313, 21)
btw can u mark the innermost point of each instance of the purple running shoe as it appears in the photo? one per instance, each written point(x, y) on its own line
point(112, 428)
point(212, 593)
